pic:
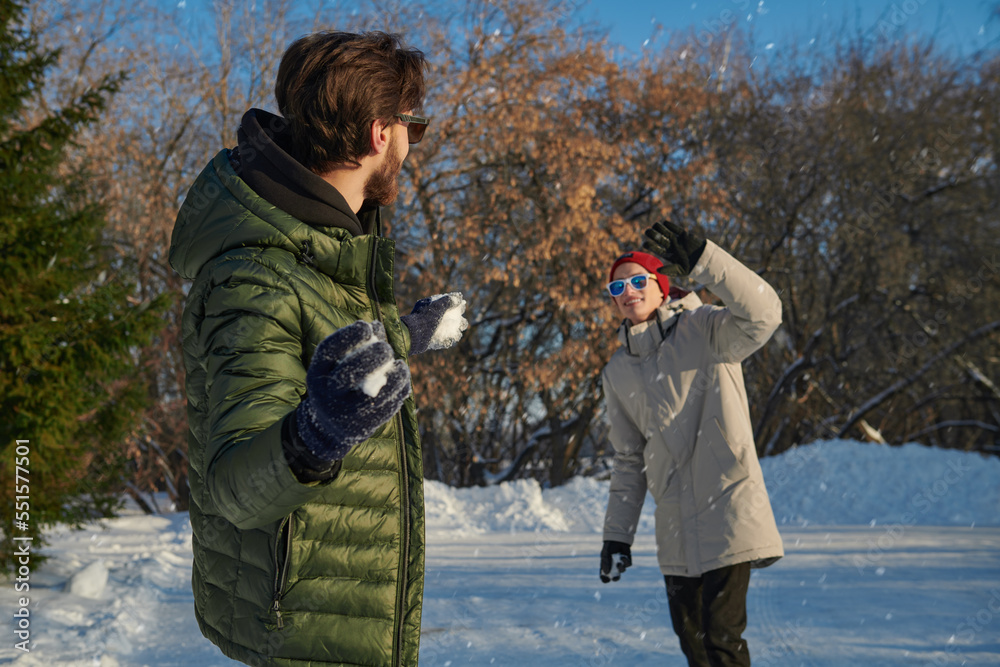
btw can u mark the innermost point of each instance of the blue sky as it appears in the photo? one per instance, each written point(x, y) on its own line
point(962, 25)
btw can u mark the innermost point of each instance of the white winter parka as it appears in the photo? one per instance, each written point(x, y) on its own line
point(680, 424)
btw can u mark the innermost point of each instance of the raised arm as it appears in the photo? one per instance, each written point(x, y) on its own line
point(753, 309)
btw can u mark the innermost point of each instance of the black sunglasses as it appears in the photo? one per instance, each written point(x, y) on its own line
point(415, 127)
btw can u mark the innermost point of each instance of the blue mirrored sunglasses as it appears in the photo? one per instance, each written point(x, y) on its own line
point(617, 287)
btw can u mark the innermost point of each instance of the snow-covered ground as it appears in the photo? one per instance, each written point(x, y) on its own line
point(893, 558)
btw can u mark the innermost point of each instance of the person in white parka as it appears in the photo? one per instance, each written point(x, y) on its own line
point(680, 427)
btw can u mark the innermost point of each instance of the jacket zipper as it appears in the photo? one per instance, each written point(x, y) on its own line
point(372, 287)
point(404, 484)
point(281, 569)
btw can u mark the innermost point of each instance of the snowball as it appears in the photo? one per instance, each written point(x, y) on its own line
point(374, 381)
point(90, 581)
point(449, 329)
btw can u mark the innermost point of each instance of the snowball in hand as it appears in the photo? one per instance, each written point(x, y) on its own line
point(436, 322)
point(453, 323)
point(616, 568)
point(354, 386)
point(375, 379)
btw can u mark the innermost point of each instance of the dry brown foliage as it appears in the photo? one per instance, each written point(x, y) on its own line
point(861, 181)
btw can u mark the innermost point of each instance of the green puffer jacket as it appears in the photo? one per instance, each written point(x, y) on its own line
point(287, 573)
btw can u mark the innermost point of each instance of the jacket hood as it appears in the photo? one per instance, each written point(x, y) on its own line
point(264, 159)
point(644, 337)
point(258, 194)
point(222, 213)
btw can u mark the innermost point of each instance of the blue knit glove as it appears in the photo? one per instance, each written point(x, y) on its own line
point(436, 322)
point(354, 385)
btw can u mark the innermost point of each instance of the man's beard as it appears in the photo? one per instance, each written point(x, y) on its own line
point(382, 186)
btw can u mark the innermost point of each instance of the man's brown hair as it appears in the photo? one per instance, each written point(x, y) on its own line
point(332, 85)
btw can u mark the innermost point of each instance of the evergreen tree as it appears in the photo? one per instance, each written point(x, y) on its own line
point(69, 321)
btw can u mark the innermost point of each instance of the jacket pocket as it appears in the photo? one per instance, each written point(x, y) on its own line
point(282, 559)
point(731, 467)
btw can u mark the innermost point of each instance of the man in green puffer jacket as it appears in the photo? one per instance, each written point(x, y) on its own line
point(305, 461)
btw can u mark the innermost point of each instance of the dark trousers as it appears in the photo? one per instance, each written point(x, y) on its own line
point(709, 614)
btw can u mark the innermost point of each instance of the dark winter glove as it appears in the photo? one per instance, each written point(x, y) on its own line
point(679, 249)
point(616, 557)
point(354, 386)
point(436, 322)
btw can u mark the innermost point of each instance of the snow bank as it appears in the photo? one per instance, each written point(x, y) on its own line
point(841, 482)
point(513, 506)
point(834, 482)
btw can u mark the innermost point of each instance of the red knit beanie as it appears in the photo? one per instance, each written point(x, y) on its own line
point(646, 261)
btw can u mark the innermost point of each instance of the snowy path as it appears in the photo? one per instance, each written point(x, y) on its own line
point(842, 596)
point(893, 558)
